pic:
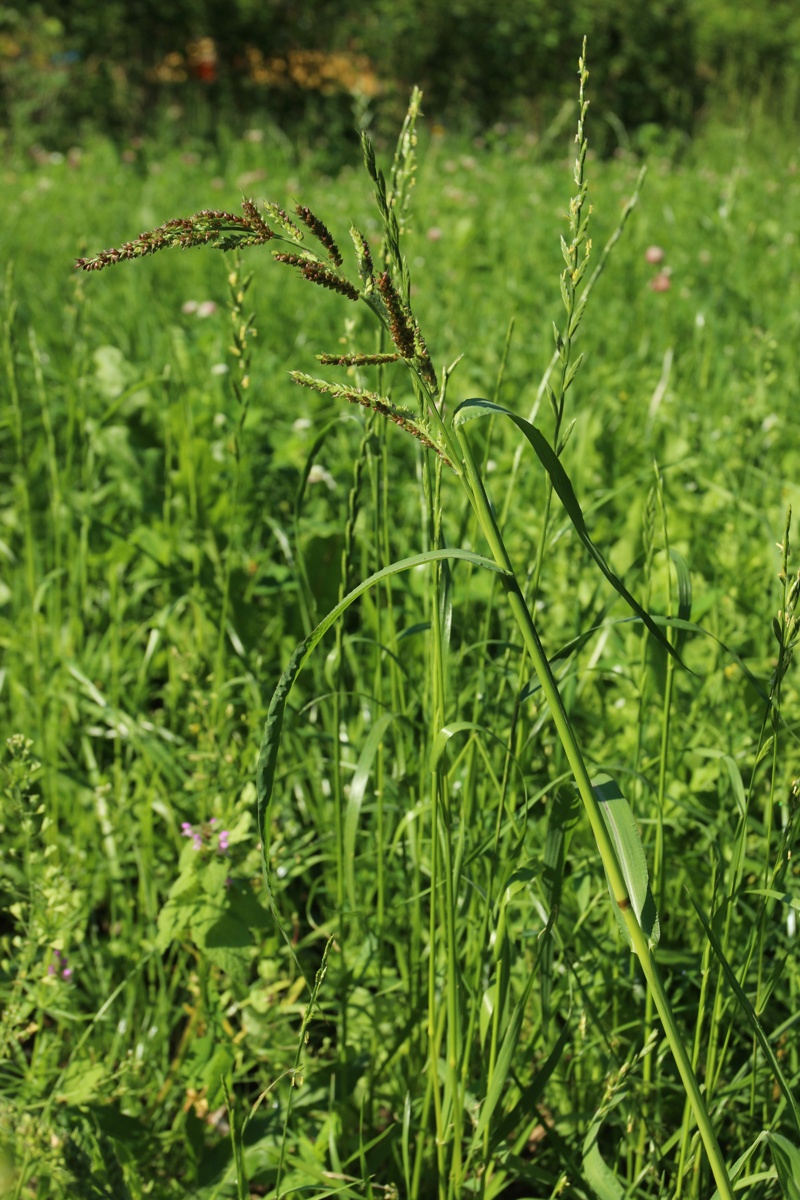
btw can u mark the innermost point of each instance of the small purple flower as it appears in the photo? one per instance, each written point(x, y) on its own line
point(197, 841)
point(186, 830)
point(60, 966)
point(224, 838)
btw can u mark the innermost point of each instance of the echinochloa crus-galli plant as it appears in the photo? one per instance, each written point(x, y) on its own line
point(465, 1142)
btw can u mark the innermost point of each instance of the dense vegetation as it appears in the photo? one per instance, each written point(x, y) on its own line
point(429, 996)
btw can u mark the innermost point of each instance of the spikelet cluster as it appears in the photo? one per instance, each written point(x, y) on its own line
point(321, 233)
point(357, 360)
point(400, 327)
point(366, 268)
point(317, 272)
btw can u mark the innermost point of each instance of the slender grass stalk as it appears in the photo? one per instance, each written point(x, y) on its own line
point(657, 859)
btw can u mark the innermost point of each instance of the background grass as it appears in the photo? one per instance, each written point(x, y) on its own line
point(150, 604)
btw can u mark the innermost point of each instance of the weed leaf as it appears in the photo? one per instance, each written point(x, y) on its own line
point(787, 1164)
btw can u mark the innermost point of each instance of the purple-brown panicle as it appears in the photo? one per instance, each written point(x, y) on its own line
point(257, 222)
point(399, 326)
point(320, 232)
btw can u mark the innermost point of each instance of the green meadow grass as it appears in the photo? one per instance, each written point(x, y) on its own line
point(428, 995)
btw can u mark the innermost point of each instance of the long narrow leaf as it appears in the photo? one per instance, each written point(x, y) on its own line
point(787, 1164)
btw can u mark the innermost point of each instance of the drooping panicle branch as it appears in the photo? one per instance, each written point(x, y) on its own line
point(282, 219)
point(376, 403)
point(209, 227)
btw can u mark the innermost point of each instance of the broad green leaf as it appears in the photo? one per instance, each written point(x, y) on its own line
point(562, 485)
point(624, 833)
point(80, 1082)
point(601, 1179)
point(772, 894)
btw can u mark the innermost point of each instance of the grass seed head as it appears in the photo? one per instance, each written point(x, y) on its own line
point(321, 233)
point(399, 326)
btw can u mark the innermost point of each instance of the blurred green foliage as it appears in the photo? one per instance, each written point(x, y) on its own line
point(327, 64)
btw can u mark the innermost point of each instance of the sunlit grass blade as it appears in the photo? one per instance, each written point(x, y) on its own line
point(786, 1157)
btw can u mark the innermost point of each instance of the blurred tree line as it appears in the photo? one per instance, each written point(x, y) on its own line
point(119, 65)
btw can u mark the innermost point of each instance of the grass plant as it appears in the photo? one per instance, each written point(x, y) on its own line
point(379, 956)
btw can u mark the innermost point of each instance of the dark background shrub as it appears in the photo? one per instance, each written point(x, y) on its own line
point(66, 65)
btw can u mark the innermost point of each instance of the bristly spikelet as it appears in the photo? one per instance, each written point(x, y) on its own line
point(399, 326)
point(283, 220)
point(423, 358)
point(366, 268)
point(321, 233)
point(255, 218)
point(209, 227)
point(316, 272)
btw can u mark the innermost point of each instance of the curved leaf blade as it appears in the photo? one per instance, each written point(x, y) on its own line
point(562, 485)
